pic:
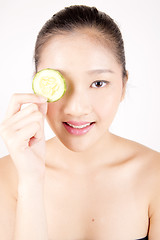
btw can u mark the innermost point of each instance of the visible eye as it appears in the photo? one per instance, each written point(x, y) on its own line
point(99, 84)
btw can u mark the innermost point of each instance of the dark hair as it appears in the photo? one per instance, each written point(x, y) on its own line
point(81, 16)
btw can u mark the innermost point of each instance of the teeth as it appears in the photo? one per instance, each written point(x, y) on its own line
point(82, 126)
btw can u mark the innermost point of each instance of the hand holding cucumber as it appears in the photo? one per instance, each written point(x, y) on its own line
point(23, 130)
point(23, 134)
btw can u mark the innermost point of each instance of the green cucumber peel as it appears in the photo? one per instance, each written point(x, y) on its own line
point(49, 83)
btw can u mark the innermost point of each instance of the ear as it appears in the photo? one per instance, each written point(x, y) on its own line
point(125, 79)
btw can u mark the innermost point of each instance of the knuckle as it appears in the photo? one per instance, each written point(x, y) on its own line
point(34, 107)
point(38, 115)
point(37, 125)
point(11, 141)
point(6, 134)
point(6, 130)
point(14, 98)
point(14, 95)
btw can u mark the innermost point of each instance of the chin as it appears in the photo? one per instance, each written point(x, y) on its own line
point(77, 145)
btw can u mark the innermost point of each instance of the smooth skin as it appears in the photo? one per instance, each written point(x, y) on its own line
point(96, 186)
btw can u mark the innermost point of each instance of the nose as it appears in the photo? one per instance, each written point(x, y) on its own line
point(77, 104)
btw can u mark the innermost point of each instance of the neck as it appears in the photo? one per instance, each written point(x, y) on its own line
point(98, 155)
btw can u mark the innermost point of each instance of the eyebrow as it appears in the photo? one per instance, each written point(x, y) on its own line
point(92, 71)
point(99, 71)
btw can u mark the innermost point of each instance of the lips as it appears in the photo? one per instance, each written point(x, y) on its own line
point(79, 129)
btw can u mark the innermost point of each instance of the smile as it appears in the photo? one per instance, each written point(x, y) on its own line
point(78, 129)
point(76, 126)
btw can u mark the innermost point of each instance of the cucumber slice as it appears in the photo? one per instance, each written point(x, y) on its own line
point(49, 83)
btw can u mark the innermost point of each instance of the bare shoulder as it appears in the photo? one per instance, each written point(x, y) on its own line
point(8, 183)
point(148, 155)
point(138, 150)
point(146, 163)
point(145, 160)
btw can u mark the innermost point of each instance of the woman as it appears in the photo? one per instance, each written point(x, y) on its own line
point(84, 183)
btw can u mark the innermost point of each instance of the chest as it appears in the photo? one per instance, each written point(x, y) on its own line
point(94, 208)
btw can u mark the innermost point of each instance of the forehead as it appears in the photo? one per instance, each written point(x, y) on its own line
point(80, 48)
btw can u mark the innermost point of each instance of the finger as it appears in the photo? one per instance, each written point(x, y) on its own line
point(18, 99)
point(43, 107)
point(31, 131)
point(23, 114)
point(34, 117)
point(27, 112)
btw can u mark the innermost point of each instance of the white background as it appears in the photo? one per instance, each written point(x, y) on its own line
point(138, 117)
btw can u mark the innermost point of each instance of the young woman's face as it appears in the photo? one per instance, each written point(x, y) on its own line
point(94, 89)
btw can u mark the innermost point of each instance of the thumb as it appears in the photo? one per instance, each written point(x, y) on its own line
point(43, 107)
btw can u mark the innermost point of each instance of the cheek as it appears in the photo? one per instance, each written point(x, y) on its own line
point(107, 105)
point(53, 110)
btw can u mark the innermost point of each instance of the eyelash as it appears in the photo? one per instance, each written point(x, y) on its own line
point(106, 82)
